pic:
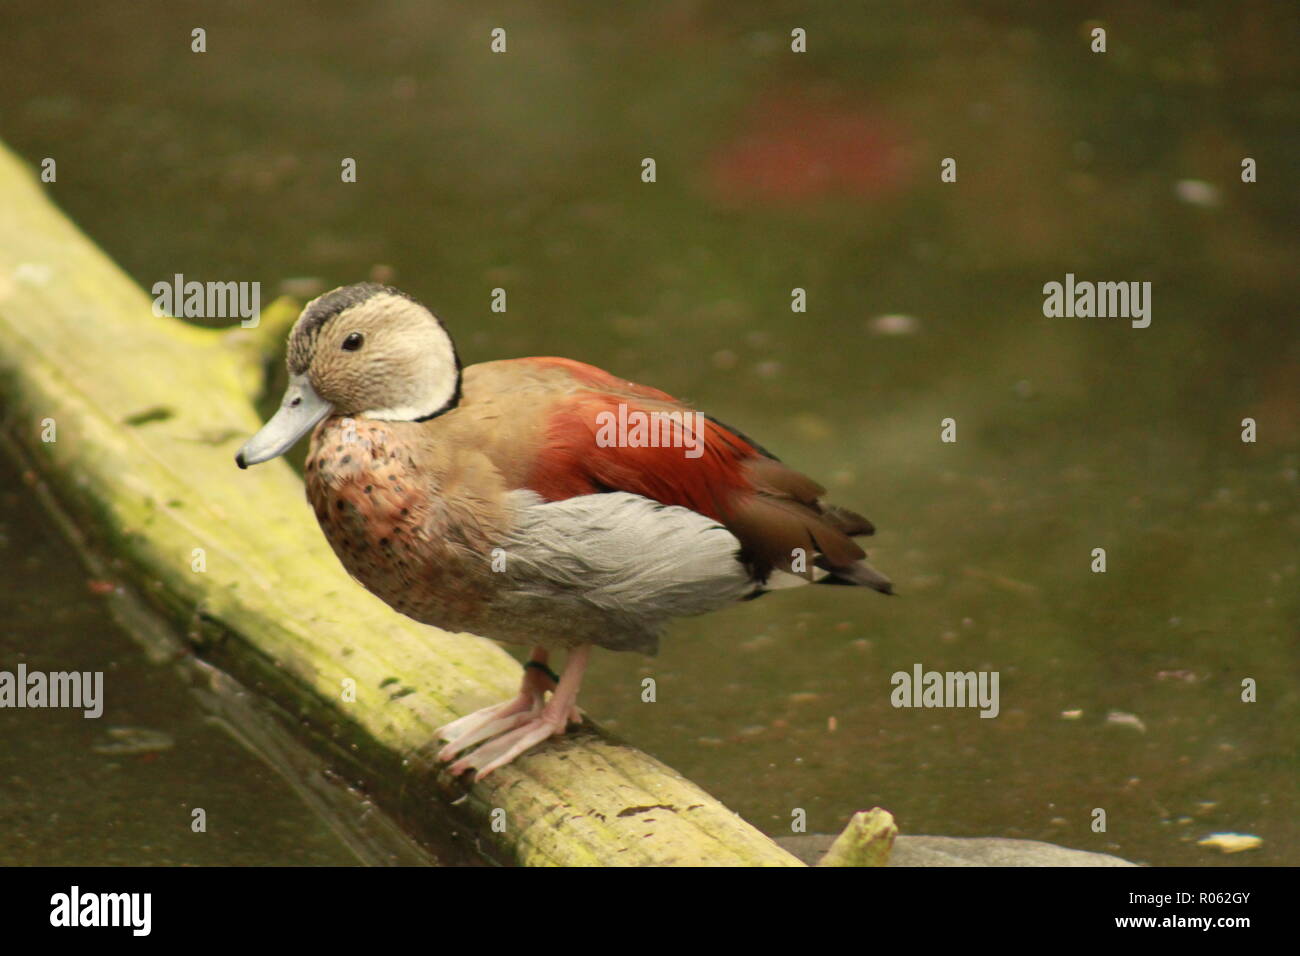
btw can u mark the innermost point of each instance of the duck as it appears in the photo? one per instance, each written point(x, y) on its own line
point(536, 501)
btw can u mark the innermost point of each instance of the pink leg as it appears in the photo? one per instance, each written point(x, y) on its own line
point(490, 721)
point(527, 731)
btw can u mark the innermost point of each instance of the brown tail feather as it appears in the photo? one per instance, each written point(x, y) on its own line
point(860, 573)
point(850, 522)
point(784, 515)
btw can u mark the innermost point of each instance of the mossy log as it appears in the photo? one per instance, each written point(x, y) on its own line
point(146, 414)
point(866, 841)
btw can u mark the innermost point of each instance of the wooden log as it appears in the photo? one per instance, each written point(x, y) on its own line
point(147, 414)
point(866, 841)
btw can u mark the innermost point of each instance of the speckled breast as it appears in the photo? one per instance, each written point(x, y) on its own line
point(397, 526)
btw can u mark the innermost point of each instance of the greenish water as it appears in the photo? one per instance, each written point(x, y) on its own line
point(120, 789)
point(775, 171)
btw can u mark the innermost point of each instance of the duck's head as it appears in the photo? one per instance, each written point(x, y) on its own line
point(363, 350)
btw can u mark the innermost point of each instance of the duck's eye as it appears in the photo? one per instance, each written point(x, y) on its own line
point(353, 341)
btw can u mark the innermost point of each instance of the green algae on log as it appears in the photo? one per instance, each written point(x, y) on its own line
point(866, 841)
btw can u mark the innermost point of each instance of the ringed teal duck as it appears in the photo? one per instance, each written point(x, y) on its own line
point(536, 501)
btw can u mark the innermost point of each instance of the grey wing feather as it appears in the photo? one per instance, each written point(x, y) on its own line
point(615, 567)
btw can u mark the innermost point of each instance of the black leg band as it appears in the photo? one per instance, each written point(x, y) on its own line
point(538, 665)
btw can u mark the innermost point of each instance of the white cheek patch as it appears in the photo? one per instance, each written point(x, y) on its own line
point(429, 391)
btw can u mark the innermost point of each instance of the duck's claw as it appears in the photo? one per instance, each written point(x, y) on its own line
point(505, 747)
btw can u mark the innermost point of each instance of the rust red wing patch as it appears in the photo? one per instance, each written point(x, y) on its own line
point(574, 461)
